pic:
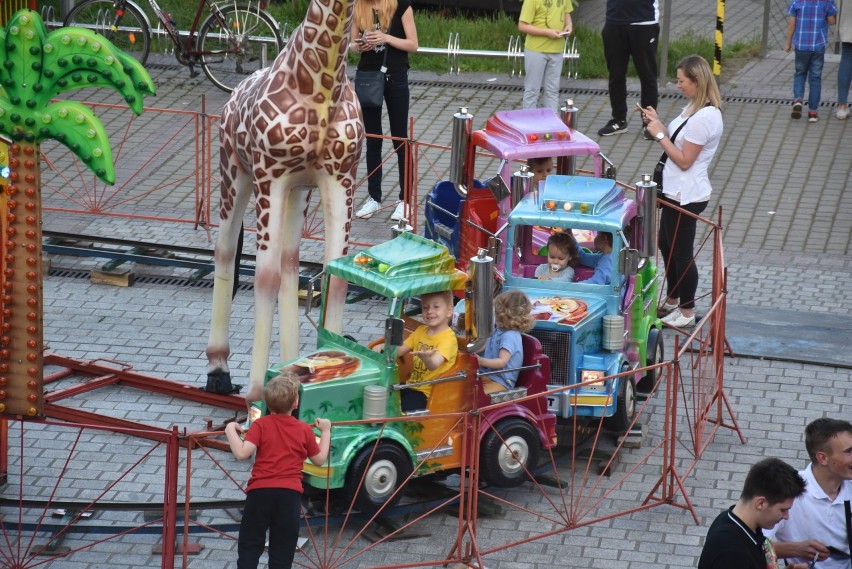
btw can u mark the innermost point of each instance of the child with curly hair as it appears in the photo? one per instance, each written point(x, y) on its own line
point(504, 349)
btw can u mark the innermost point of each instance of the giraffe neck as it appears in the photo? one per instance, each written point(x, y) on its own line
point(324, 38)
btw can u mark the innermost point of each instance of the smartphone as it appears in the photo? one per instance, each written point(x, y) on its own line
point(563, 34)
point(641, 110)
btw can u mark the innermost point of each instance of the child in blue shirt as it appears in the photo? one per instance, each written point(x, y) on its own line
point(807, 33)
point(504, 349)
point(603, 262)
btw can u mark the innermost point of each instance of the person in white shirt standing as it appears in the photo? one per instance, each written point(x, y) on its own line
point(686, 181)
point(816, 529)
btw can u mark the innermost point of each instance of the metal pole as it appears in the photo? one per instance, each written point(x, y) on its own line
point(720, 33)
point(65, 6)
point(664, 45)
point(764, 37)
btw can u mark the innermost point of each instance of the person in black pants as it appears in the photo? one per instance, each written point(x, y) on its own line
point(632, 29)
point(281, 444)
point(384, 33)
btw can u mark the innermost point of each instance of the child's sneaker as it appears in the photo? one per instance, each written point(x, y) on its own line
point(797, 109)
point(842, 112)
point(813, 116)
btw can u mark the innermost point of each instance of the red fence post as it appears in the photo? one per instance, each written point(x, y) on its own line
point(170, 492)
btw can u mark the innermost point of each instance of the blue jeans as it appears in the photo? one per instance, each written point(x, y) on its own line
point(397, 99)
point(844, 73)
point(809, 65)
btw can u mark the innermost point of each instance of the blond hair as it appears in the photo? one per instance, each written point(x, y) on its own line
point(513, 311)
point(446, 295)
point(363, 14)
point(696, 68)
point(282, 392)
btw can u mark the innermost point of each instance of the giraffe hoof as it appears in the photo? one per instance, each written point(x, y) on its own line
point(220, 382)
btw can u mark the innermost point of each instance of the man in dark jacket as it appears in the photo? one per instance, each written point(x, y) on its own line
point(632, 29)
point(735, 539)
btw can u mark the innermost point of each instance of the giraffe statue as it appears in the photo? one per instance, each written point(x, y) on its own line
point(285, 130)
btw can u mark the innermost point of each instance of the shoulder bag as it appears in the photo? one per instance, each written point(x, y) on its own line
point(370, 85)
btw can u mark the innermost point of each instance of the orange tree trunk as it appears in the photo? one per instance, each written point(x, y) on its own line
point(21, 331)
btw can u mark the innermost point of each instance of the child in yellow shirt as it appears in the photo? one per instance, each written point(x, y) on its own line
point(433, 345)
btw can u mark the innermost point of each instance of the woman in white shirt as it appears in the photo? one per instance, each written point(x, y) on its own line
point(685, 181)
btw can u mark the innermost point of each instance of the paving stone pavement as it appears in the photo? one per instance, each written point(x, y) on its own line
point(779, 183)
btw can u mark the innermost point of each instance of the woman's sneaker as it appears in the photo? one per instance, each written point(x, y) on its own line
point(400, 212)
point(677, 320)
point(367, 210)
point(797, 109)
point(842, 113)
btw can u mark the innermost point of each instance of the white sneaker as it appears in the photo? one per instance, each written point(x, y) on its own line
point(367, 210)
point(843, 113)
point(677, 320)
point(399, 212)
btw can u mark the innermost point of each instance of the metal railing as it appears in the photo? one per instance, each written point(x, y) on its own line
point(514, 54)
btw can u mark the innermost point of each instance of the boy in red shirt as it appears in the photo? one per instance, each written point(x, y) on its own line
point(274, 493)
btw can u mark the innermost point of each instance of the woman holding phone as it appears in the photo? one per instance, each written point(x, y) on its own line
point(690, 142)
point(383, 32)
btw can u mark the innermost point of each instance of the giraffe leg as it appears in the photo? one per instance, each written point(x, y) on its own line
point(337, 213)
point(231, 217)
point(288, 294)
point(278, 238)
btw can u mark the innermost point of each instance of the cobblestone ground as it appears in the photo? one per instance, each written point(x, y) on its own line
point(779, 185)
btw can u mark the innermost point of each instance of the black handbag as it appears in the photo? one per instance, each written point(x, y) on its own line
point(370, 85)
point(658, 173)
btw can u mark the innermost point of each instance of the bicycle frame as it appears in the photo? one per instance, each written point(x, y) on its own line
point(187, 48)
point(235, 39)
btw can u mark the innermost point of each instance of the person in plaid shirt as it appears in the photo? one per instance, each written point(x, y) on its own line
point(807, 32)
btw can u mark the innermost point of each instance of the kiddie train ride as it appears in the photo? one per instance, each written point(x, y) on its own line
point(580, 360)
point(589, 331)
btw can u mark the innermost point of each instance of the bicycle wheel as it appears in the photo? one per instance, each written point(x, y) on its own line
point(129, 32)
point(234, 45)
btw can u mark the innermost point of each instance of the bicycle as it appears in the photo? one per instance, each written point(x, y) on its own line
point(234, 40)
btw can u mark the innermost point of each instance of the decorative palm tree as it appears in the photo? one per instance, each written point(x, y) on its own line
point(35, 66)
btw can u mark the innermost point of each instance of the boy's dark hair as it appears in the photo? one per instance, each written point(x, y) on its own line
point(538, 160)
point(607, 236)
point(513, 311)
point(281, 393)
point(773, 479)
point(563, 241)
point(819, 433)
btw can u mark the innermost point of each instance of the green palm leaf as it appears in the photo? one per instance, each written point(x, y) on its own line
point(37, 66)
point(75, 126)
point(96, 62)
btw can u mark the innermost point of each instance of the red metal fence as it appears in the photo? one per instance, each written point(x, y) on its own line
point(590, 477)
